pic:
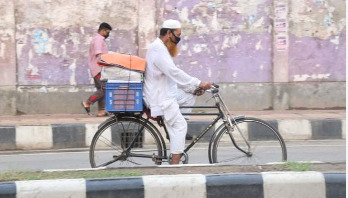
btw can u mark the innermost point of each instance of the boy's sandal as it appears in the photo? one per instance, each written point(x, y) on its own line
point(88, 109)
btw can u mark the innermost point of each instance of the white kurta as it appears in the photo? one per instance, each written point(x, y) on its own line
point(162, 79)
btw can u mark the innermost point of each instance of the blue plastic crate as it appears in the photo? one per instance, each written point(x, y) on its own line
point(124, 97)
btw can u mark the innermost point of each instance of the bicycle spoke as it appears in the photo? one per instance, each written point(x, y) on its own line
point(122, 124)
point(109, 162)
point(233, 159)
point(111, 145)
point(133, 162)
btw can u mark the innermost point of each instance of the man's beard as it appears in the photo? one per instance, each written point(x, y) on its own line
point(172, 48)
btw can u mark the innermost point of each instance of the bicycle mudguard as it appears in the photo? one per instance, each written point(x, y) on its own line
point(116, 116)
point(106, 121)
point(236, 118)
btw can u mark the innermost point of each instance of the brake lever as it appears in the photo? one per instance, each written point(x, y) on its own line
point(215, 85)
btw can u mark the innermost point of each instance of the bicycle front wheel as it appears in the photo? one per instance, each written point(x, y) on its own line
point(262, 144)
point(125, 142)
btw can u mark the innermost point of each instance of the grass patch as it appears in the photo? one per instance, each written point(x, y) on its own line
point(38, 175)
point(298, 166)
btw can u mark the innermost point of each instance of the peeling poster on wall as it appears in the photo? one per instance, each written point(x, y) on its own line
point(282, 43)
point(281, 26)
point(280, 11)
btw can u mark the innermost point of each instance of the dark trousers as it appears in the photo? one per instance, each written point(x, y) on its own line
point(99, 95)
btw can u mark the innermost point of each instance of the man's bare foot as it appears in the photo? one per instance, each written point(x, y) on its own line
point(176, 158)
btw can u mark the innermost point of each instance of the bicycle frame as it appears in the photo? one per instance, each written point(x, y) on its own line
point(223, 113)
point(219, 116)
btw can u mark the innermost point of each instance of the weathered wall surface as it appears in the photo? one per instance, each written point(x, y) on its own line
point(7, 58)
point(7, 44)
point(53, 37)
point(231, 41)
point(261, 48)
point(317, 44)
point(224, 41)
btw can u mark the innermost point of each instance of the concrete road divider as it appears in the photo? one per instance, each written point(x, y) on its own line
point(252, 185)
point(60, 136)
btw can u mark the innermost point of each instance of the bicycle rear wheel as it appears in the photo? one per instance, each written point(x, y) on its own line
point(125, 142)
point(265, 144)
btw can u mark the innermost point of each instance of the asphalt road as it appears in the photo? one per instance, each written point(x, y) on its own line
point(324, 151)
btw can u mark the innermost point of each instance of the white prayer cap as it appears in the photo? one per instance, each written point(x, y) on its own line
point(171, 24)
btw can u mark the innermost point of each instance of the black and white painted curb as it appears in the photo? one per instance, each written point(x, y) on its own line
point(57, 136)
point(253, 185)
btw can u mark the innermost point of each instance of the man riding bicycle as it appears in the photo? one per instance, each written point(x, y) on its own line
point(166, 86)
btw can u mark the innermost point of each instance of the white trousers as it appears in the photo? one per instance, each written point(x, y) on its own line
point(185, 99)
point(175, 121)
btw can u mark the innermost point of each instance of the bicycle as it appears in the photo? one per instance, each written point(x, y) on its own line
point(132, 139)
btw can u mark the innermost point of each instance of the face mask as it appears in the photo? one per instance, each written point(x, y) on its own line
point(106, 36)
point(177, 39)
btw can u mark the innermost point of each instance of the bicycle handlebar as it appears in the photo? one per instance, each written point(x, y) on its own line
point(216, 85)
point(213, 89)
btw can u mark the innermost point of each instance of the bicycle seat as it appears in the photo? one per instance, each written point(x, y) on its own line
point(158, 119)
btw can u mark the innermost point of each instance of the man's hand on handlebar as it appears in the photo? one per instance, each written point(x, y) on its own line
point(205, 85)
point(199, 92)
point(202, 87)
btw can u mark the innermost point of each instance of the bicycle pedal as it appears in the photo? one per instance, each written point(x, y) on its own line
point(188, 137)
